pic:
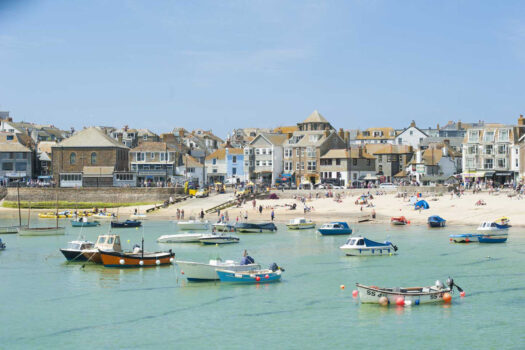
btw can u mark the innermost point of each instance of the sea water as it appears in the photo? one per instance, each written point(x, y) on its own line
point(46, 302)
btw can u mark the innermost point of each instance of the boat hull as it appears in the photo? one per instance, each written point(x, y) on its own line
point(249, 277)
point(493, 238)
point(372, 295)
point(436, 224)
point(125, 224)
point(196, 272)
point(181, 238)
point(128, 260)
point(224, 227)
point(255, 228)
point(300, 226)
point(92, 255)
point(41, 231)
point(85, 224)
point(333, 232)
point(479, 238)
point(375, 251)
point(73, 255)
point(219, 240)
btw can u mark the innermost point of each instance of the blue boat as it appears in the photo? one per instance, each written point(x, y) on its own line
point(76, 223)
point(436, 221)
point(493, 238)
point(256, 276)
point(127, 223)
point(479, 238)
point(335, 228)
point(248, 227)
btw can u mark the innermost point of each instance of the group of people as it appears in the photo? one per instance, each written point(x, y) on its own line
point(180, 214)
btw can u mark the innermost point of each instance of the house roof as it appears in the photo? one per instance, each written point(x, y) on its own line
point(235, 151)
point(344, 153)
point(412, 126)
point(402, 173)
point(190, 161)
point(285, 129)
point(90, 137)
point(45, 146)
point(315, 117)
point(388, 149)
point(13, 145)
point(387, 133)
point(150, 146)
point(219, 154)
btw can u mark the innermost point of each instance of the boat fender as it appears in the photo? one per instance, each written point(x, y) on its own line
point(157, 262)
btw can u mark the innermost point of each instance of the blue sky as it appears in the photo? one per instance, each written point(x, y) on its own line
point(226, 64)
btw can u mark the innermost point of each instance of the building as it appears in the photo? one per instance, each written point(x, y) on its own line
point(345, 167)
point(16, 158)
point(131, 138)
point(43, 165)
point(434, 165)
point(491, 153)
point(411, 136)
point(303, 151)
point(89, 158)
point(390, 159)
point(225, 165)
point(190, 169)
point(154, 162)
point(263, 158)
point(375, 135)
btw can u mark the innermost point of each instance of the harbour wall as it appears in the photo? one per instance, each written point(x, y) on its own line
point(100, 194)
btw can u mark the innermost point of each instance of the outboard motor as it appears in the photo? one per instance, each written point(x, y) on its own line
point(393, 246)
point(450, 282)
point(136, 248)
point(274, 267)
point(439, 284)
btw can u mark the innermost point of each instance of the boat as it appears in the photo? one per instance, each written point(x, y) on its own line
point(102, 215)
point(181, 238)
point(136, 258)
point(300, 224)
point(335, 228)
point(193, 224)
point(2, 245)
point(74, 250)
point(218, 239)
point(109, 242)
point(436, 221)
point(195, 271)
point(407, 295)
point(124, 224)
point(490, 226)
point(361, 246)
point(60, 215)
point(9, 229)
point(41, 231)
point(503, 223)
point(364, 218)
point(14, 229)
point(273, 274)
point(223, 227)
point(84, 223)
point(138, 217)
point(500, 237)
point(247, 227)
point(400, 220)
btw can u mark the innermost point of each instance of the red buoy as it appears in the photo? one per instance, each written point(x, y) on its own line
point(400, 301)
point(462, 294)
point(257, 278)
point(447, 298)
point(355, 293)
point(266, 276)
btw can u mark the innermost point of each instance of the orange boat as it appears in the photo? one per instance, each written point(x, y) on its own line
point(401, 220)
point(137, 258)
point(108, 242)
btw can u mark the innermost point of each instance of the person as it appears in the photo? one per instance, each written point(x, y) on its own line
point(202, 214)
point(260, 209)
point(136, 211)
point(178, 214)
point(373, 214)
point(273, 215)
point(246, 259)
point(182, 214)
point(246, 215)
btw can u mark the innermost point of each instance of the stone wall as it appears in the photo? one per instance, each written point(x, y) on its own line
point(101, 194)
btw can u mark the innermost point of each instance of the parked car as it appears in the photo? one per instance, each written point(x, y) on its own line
point(202, 193)
point(387, 185)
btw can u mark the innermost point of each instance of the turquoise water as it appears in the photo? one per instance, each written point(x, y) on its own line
point(47, 303)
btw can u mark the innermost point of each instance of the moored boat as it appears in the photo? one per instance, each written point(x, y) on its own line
point(224, 227)
point(436, 221)
point(407, 295)
point(273, 274)
point(221, 238)
point(137, 258)
point(491, 226)
point(195, 271)
point(193, 224)
point(400, 220)
point(181, 238)
point(335, 228)
point(300, 224)
point(496, 237)
point(248, 227)
point(82, 223)
point(103, 216)
point(109, 242)
point(124, 224)
point(74, 250)
point(361, 246)
point(41, 231)
point(60, 215)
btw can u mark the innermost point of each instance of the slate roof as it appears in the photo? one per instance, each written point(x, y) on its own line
point(89, 138)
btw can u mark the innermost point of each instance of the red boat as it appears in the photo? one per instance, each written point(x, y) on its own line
point(401, 220)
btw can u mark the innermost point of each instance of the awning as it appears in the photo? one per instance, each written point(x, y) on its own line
point(370, 177)
point(505, 173)
point(44, 177)
point(474, 174)
point(98, 171)
point(489, 173)
point(286, 175)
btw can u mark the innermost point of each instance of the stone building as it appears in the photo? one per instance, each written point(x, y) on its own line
point(154, 162)
point(16, 158)
point(347, 167)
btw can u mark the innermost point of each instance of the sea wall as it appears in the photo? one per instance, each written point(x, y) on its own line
point(100, 194)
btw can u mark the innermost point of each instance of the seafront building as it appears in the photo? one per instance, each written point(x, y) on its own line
point(343, 167)
point(263, 159)
point(16, 157)
point(225, 165)
point(375, 135)
point(154, 163)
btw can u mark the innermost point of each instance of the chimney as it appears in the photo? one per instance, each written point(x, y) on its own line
point(341, 133)
point(437, 126)
point(326, 132)
point(459, 125)
point(413, 124)
point(521, 120)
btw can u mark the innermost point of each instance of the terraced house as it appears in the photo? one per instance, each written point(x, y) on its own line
point(263, 158)
point(225, 165)
point(347, 167)
point(154, 162)
point(16, 157)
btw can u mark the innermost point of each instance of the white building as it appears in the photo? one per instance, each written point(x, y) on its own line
point(263, 158)
point(411, 136)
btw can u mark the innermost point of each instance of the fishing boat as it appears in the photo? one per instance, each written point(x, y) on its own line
point(218, 239)
point(224, 227)
point(195, 271)
point(335, 228)
point(102, 216)
point(436, 221)
point(82, 222)
point(407, 295)
point(361, 246)
point(108, 242)
point(181, 238)
point(2, 245)
point(490, 226)
point(272, 274)
point(193, 224)
point(74, 250)
point(400, 220)
point(300, 224)
point(495, 237)
point(124, 224)
point(136, 258)
point(9, 229)
point(247, 227)
point(503, 223)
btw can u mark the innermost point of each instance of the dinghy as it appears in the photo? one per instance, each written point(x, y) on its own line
point(247, 227)
point(300, 224)
point(361, 246)
point(273, 274)
point(335, 228)
point(195, 271)
point(436, 221)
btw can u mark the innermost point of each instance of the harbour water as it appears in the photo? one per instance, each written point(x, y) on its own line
point(48, 303)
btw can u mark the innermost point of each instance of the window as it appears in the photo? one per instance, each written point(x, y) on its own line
point(471, 163)
point(21, 166)
point(287, 152)
point(7, 166)
point(246, 163)
point(312, 165)
point(234, 159)
point(299, 152)
point(310, 151)
point(257, 151)
point(354, 161)
point(214, 170)
point(368, 162)
point(488, 149)
point(400, 141)
point(379, 158)
point(269, 163)
point(411, 132)
point(124, 177)
point(502, 163)
point(214, 161)
point(247, 151)
point(504, 135)
point(269, 151)
point(299, 166)
point(9, 137)
point(380, 168)
point(489, 163)
point(163, 157)
point(472, 149)
point(488, 136)
point(234, 171)
point(288, 166)
point(389, 158)
point(258, 163)
point(502, 149)
point(338, 162)
point(473, 135)
point(190, 170)
point(72, 158)
point(517, 164)
point(93, 158)
point(263, 150)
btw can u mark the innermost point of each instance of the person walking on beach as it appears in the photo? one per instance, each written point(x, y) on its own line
point(182, 214)
point(260, 209)
point(272, 215)
point(202, 214)
point(246, 215)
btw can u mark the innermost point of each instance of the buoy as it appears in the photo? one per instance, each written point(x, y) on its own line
point(257, 278)
point(128, 240)
point(342, 286)
point(447, 297)
point(266, 276)
point(355, 293)
point(408, 303)
point(121, 261)
point(383, 301)
point(416, 302)
point(182, 272)
point(467, 240)
point(171, 259)
point(141, 263)
point(157, 262)
point(462, 294)
point(400, 301)
point(216, 244)
point(136, 228)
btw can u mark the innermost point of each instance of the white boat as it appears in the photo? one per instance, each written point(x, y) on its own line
point(195, 271)
point(490, 226)
point(193, 224)
point(138, 217)
point(224, 227)
point(41, 231)
point(181, 238)
point(300, 224)
point(360, 246)
point(101, 215)
point(218, 239)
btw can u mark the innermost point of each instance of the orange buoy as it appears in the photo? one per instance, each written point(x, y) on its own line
point(182, 272)
point(383, 301)
point(447, 298)
point(342, 286)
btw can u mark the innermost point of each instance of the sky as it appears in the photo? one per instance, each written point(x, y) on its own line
point(225, 64)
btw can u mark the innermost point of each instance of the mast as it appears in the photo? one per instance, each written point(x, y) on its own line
point(56, 195)
point(18, 198)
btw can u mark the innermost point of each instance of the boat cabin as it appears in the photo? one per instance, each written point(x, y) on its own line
point(79, 245)
point(108, 242)
point(335, 225)
point(300, 221)
point(488, 225)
